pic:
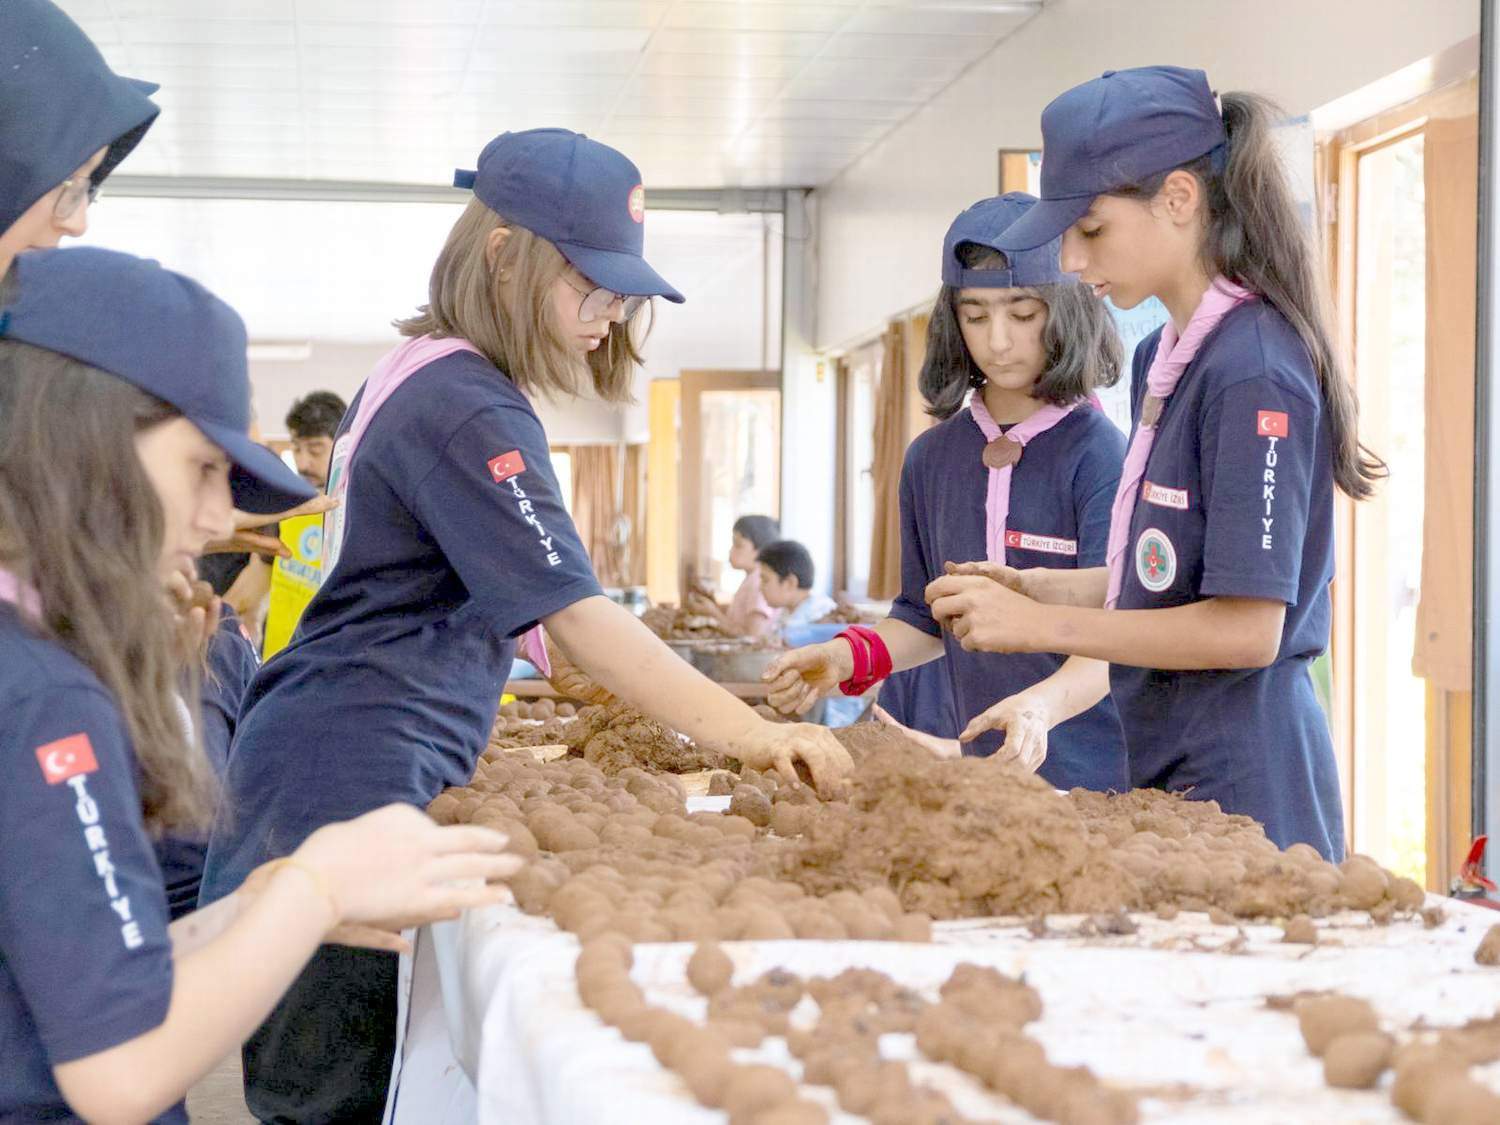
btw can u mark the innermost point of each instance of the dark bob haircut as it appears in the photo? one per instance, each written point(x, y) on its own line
point(1083, 347)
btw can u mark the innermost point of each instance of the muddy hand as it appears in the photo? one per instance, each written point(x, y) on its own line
point(798, 679)
point(941, 748)
point(1024, 723)
point(982, 614)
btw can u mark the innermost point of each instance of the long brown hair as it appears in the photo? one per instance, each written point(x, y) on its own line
point(1080, 339)
point(80, 522)
point(504, 308)
point(1255, 238)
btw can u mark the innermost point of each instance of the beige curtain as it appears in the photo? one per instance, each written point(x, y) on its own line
point(609, 482)
point(1445, 613)
point(890, 446)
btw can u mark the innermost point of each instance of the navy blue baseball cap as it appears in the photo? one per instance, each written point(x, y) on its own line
point(59, 104)
point(582, 196)
point(165, 334)
point(983, 224)
point(1117, 130)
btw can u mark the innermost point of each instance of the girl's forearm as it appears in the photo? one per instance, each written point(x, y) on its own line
point(1217, 633)
point(221, 992)
point(195, 930)
point(613, 648)
point(1085, 588)
point(909, 646)
point(1079, 684)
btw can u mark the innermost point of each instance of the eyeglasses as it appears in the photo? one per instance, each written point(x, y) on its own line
point(76, 190)
point(596, 303)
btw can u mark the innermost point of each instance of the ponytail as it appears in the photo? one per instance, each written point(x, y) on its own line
point(1255, 238)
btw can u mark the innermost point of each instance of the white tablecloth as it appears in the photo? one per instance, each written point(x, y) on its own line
point(1156, 1008)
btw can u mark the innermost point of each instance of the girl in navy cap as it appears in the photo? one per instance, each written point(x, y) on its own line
point(66, 122)
point(1215, 594)
point(452, 542)
point(122, 439)
point(1023, 475)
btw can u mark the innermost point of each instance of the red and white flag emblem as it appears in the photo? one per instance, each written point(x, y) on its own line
point(65, 758)
point(507, 465)
point(1271, 423)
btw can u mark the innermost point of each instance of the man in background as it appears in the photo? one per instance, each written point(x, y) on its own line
point(312, 423)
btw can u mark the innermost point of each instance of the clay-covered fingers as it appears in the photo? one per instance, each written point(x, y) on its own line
point(488, 867)
point(941, 748)
point(792, 695)
point(1007, 576)
point(825, 757)
point(315, 507)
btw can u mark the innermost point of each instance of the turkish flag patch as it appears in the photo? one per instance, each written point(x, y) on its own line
point(507, 465)
point(1271, 423)
point(65, 758)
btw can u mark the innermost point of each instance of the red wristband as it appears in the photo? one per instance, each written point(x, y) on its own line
point(872, 660)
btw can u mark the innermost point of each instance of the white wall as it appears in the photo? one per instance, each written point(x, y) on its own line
point(342, 367)
point(808, 400)
point(882, 221)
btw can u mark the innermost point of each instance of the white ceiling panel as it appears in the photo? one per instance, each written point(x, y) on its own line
point(193, 33)
point(956, 19)
point(381, 11)
point(965, 48)
point(700, 93)
point(134, 10)
point(573, 14)
point(710, 65)
point(759, 17)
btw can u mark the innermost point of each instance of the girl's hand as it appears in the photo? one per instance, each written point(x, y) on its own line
point(703, 604)
point(941, 748)
point(1025, 721)
point(805, 675)
point(1031, 581)
point(780, 746)
point(247, 539)
point(985, 615)
point(394, 868)
point(196, 609)
point(350, 934)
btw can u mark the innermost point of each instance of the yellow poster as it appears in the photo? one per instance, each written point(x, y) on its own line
point(294, 581)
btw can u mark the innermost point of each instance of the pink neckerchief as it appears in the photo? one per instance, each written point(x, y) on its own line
point(395, 368)
point(1172, 358)
point(22, 595)
point(997, 497)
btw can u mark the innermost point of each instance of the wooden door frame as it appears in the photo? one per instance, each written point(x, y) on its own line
point(1338, 159)
point(694, 384)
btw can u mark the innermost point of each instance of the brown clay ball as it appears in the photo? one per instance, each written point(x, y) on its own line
point(799, 1112)
point(755, 1089)
point(709, 969)
point(1357, 1060)
point(1300, 930)
point(752, 804)
point(1488, 952)
point(720, 783)
point(1423, 1069)
point(1463, 1102)
point(1324, 1018)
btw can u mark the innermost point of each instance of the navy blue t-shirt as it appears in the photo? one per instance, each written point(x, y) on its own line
point(1237, 501)
point(922, 698)
point(85, 958)
point(231, 664)
point(457, 542)
point(1060, 497)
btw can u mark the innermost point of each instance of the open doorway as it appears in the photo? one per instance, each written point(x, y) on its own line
point(1404, 217)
